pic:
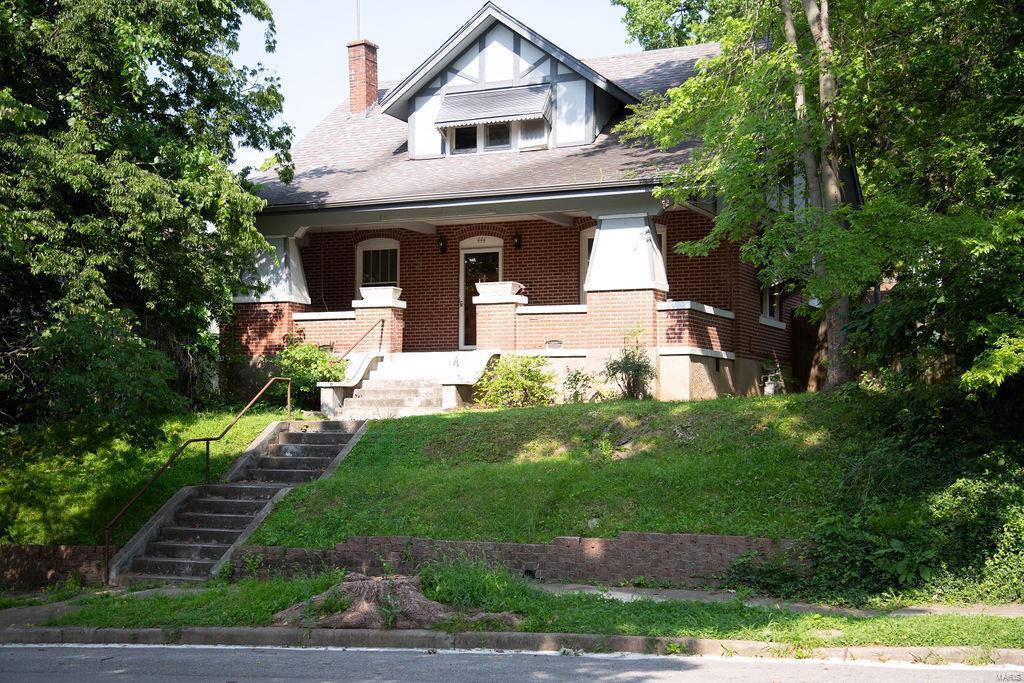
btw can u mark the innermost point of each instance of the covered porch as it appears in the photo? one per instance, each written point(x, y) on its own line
point(568, 277)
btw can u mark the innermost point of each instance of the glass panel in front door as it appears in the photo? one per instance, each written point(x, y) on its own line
point(478, 267)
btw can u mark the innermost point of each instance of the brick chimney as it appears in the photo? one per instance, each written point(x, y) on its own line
point(362, 76)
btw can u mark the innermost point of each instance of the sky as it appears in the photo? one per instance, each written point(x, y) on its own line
point(311, 56)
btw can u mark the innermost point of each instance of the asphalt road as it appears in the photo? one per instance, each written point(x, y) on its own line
point(87, 663)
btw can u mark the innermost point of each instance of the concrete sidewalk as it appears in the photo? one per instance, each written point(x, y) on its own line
point(663, 594)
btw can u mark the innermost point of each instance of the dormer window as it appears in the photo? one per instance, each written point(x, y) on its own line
point(464, 140)
point(499, 136)
point(494, 119)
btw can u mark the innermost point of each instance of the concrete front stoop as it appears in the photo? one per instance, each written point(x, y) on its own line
point(196, 531)
point(405, 384)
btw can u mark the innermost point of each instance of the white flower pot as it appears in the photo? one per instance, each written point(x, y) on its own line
point(380, 295)
point(490, 289)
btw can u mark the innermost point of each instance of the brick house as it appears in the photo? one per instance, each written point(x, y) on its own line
point(483, 206)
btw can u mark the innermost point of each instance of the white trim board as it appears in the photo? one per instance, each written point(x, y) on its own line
point(325, 315)
point(695, 306)
point(694, 351)
point(772, 322)
point(542, 310)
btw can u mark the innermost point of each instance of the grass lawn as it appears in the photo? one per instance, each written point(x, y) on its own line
point(253, 602)
point(70, 500)
point(761, 466)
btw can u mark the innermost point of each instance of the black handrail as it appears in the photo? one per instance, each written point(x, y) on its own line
point(174, 456)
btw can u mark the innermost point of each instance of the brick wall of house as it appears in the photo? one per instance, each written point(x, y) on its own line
point(753, 339)
point(262, 329)
point(694, 328)
point(535, 330)
point(682, 559)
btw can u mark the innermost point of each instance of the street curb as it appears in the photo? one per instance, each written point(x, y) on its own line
point(531, 642)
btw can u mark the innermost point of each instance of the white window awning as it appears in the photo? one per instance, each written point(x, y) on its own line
point(497, 105)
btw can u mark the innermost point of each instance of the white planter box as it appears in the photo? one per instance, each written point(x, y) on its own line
point(498, 289)
point(382, 295)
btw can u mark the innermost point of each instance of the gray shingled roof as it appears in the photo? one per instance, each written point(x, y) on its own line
point(363, 159)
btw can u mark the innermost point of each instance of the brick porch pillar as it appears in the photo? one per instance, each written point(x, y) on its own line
point(377, 304)
point(496, 306)
point(626, 280)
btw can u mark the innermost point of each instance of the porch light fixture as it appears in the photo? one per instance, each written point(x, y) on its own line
point(517, 241)
point(442, 244)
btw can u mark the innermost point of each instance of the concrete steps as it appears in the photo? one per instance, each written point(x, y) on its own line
point(205, 525)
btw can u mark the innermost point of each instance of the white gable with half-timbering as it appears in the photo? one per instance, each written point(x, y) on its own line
point(496, 86)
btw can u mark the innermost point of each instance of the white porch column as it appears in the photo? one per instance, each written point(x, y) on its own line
point(625, 255)
point(285, 278)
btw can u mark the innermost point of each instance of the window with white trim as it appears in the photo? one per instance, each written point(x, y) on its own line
point(377, 263)
point(587, 246)
point(771, 302)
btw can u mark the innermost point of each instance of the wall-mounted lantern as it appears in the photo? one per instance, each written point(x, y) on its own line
point(442, 244)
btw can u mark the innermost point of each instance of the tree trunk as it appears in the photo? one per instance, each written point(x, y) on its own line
point(812, 181)
point(836, 319)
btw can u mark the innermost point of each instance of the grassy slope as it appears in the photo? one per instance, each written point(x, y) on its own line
point(70, 500)
point(758, 466)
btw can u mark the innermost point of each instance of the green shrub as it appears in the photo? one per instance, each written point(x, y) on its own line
point(515, 381)
point(1004, 571)
point(632, 370)
point(579, 386)
point(307, 364)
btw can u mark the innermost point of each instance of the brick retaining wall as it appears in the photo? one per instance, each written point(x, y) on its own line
point(680, 559)
point(27, 567)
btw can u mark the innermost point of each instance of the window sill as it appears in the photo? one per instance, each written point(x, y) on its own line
point(772, 322)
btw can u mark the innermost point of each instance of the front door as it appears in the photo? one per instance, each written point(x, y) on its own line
point(477, 266)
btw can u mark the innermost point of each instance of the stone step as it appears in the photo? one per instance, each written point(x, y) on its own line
point(207, 520)
point(302, 450)
point(382, 414)
point(293, 462)
point(324, 426)
point(171, 566)
point(225, 506)
point(183, 534)
point(282, 476)
point(399, 392)
point(134, 578)
point(393, 402)
point(239, 491)
point(187, 551)
point(323, 438)
point(384, 382)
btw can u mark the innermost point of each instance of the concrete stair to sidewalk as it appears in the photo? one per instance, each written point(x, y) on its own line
point(199, 532)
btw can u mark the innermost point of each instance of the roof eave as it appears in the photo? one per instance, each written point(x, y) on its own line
point(613, 186)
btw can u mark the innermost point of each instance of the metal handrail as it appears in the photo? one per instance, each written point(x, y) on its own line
point(174, 456)
point(380, 341)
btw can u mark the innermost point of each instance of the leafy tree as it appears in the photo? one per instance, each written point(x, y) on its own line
point(123, 231)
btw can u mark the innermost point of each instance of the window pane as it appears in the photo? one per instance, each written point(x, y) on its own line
point(380, 267)
point(498, 135)
point(465, 139)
